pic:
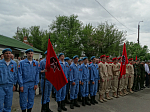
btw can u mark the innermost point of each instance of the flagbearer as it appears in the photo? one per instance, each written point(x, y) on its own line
point(121, 80)
point(48, 86)
point(116, 70)
point(8, 79)
point(67, 59)
point(94, 78)
point(61, 94)
point(85, 81)
point(131, 74)
point(28, 78)
point(74, 82)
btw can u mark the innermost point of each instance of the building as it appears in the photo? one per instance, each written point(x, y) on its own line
point(18, 47)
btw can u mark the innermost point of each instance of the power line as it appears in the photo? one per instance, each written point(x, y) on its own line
point(111, 14)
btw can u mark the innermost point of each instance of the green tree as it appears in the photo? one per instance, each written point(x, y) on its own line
point(135, 49)
point(65, 35)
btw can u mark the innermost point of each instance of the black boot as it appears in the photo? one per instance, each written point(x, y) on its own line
point(92, 100)
point(76, 103)
point(29, 110)
point(83, 101)
point(72, 104)
point(63, 106)
point(59, 106)
point(95, 100)
point(66, 100)
point(47, 107)
point(43, 108)
point(24, 110)
point(86, 101)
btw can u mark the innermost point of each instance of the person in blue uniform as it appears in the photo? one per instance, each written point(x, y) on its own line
point(48, 86)
point(8, 79)
point(28, 78)
point(85, 81)
point(61, 94)
point(94, 77)
point(80, 61)
point(67, 59)
point(74, 82)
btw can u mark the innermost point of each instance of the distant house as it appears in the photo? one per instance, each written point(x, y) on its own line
point(18, 47)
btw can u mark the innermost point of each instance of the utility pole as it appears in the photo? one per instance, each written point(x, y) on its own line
point(139, 32)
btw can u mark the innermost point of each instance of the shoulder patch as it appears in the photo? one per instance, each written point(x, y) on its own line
point(70, 69)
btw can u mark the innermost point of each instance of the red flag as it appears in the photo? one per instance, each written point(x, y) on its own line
point(136, 58)
point(54, 72)
point(123, 62)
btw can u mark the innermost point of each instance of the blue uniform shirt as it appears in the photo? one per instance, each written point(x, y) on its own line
point(94, 74)
point(84, 72)
point(28, 72)
point(65, 68)
point(42, 65)
point(8, 74)
point(74, 72)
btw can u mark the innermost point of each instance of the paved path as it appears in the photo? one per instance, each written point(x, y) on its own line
point(136, 102)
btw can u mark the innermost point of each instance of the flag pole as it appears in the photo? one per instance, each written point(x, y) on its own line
point(44, 87)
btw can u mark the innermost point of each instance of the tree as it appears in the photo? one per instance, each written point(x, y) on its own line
point(135, 49)
point(104, 39)
point(65, 32)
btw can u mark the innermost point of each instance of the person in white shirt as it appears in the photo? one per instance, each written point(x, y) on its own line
point(147, 73)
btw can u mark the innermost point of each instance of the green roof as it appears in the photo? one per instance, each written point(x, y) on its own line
point(7, 41)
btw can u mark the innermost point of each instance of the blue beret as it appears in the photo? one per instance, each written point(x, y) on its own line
point(60, 54)
point(67, 58)
point(92, 57)
point(76, 56)
point(29, 50)
point(79, 60)
point(84, 58)
point(45, 52)
point(7, 49)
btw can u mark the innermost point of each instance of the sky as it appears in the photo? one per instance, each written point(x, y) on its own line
point(26, 13)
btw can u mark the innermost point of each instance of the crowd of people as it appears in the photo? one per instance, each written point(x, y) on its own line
point(85, 78)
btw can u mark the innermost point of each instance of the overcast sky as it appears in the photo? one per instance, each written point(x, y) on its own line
point(26, 13)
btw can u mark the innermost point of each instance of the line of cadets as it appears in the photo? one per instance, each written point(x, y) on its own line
point(83, 79)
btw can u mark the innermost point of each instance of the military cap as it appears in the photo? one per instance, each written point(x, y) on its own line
point(102, 56)
point(107, 57)
point(67, 58)
point(29, 50)
point(119, 58)
point(92, 57)
point(76, 56)
point(45, 52)
point(84, 58)
point(60, 54)
point(7, 49)
point(114, 58)
point(79, 60)
point(130, 59)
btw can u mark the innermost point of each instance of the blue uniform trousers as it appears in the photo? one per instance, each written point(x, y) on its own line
point(74, 90)
point(6, 95)
point(93, 87)
point(27, 96)
point(85, 89)
point(67, 87)
point(47, 92)
point(61, 94)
